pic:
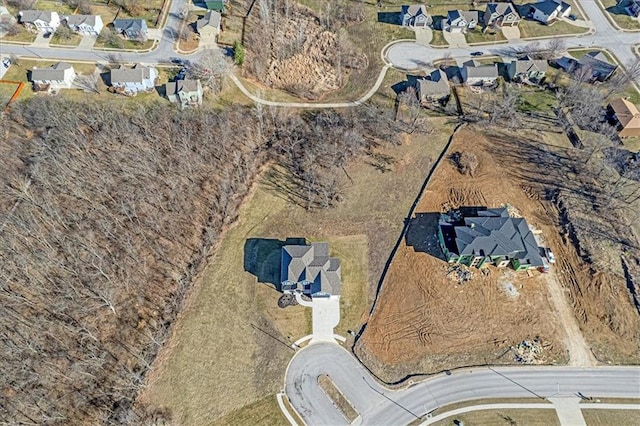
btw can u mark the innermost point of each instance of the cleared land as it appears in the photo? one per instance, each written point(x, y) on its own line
point(425, 323)
point(230, 348)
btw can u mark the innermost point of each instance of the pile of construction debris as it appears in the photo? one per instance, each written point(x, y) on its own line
point(459, 273)
point(529, 352)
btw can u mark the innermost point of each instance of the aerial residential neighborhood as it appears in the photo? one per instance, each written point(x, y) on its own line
point(320, 212)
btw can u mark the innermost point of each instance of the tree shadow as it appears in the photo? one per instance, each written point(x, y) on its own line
point(389, 17)
point(422, 234)
point(262, 258)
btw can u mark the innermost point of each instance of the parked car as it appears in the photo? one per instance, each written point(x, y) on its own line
point(6, 62)
point(477, 53)
point(573, 17)
point(47, 35)
point(549, 255)
point(545, 266)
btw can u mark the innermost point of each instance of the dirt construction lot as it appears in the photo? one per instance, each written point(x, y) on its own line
point(425, 322)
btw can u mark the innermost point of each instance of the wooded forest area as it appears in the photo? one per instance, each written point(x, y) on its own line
point(107, 213)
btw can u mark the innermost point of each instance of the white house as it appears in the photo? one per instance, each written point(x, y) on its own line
point(40, 20)
point(549, 10)
point(84, 24)
point(133, 80)
point(58, 76)
point(479, 75)
point(461, 20)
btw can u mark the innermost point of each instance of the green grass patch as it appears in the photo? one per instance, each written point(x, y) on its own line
point(619, 15)
point(438, 39)
point(537, 101)
point(126, 45)
point(508, 417)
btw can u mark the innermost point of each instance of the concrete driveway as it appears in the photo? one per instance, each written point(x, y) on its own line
point(87, 42)
point(41, 41)
point(511, 33)
point(325, 316)
point(455, 39)
point(423, 35)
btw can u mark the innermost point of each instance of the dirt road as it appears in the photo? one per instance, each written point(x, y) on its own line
point(579, 353)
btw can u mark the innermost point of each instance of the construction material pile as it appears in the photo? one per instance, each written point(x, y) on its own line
point(459, 273)
point(528, 352)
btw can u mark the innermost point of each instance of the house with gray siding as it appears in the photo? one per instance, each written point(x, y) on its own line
point(133, 80)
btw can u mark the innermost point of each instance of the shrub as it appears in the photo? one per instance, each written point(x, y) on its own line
point(238, 53)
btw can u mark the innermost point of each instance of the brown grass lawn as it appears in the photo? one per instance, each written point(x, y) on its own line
point(229, 349)
point(611, 417)
point(54, 6)
point(73, 41)
point(23, 36)
point(107, 13)
point(531, 28)
point(530, 417)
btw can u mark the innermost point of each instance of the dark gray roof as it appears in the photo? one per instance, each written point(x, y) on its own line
point(81, 19)
point(547, 7)
point(492, 232)
point(470, 15)
point(452, 15)
point(30, 16)
point(54, 72)
point(211, 19)
point(130, 24)
point(311, 264)
point(599, 64)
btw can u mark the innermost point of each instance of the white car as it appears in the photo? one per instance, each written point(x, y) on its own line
point(550, 256)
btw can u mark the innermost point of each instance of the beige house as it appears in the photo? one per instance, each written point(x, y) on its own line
point(627, 116)
point(501, 14)
point(208, 27)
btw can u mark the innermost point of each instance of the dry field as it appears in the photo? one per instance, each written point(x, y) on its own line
point(425, 323)
point(229, 349)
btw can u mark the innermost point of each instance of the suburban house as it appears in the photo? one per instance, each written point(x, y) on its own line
point(40, 20)
point(627, 116)
point(434, 88)
point(595, 64)
point(461, 20)
point(209, 26)
point(84, 24)
point(501, 15)
point(55, 77)
point(525, 69)
point(598, 65)
point(479, 75)
point(186, 93)
point(133, 80)
point(309, 270)
point(217, 5)
point(549, 10)
point(415, 16)
point(131, 28)
point(631, 6)
point(477, 236)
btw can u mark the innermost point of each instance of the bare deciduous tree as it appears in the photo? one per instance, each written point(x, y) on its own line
point(210, 69)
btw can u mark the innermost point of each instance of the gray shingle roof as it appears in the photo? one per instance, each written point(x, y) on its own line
point(136, 74)
point(492, 232)
point(211, 19)
point(502, 8)
point(130, 24)
point(482, 71)
point(30, 16)
point(54, 72)
point(312, 264)
point(523, 66)
point(437, 84)
point(81, 19)
point(174, 87)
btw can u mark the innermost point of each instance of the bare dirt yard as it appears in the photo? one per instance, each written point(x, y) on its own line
point(424, 322)
point(227, 356)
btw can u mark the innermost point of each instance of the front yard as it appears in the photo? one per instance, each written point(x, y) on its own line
point(530, 29)
point(23, 36)
point(74, 40)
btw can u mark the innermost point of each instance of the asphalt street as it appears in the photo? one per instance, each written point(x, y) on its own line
point(380, 406)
